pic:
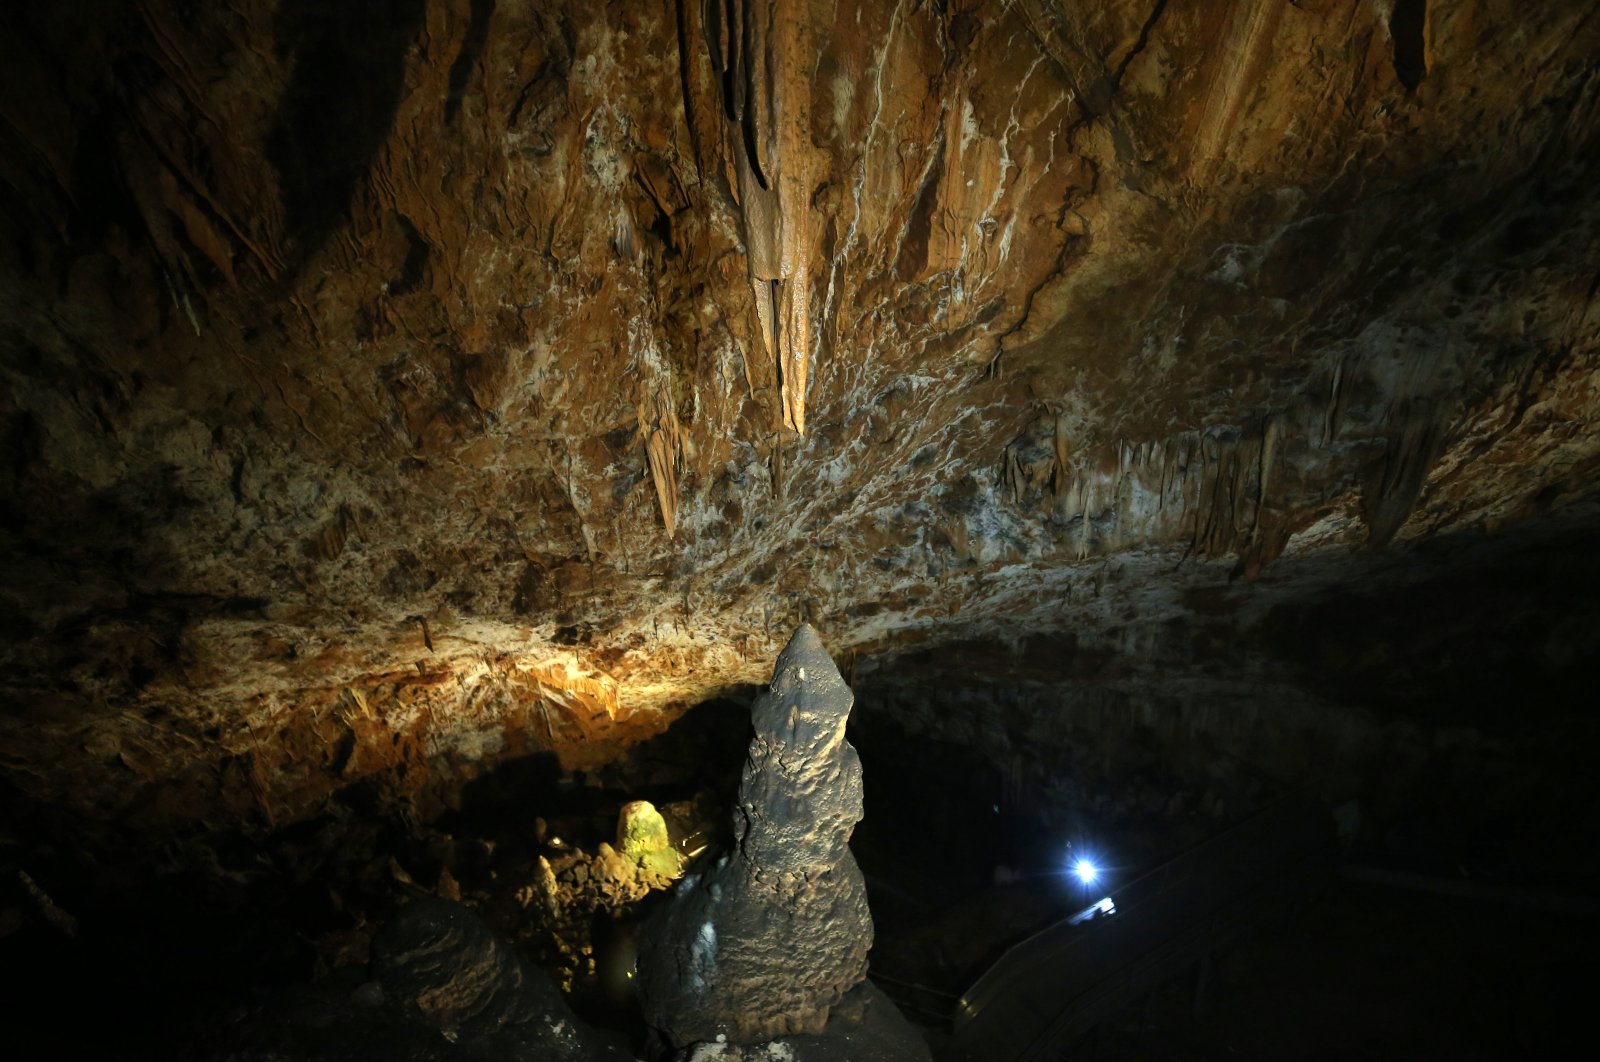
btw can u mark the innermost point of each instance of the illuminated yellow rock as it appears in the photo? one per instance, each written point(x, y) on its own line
point(642, 837)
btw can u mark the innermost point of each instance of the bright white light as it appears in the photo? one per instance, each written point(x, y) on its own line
point(1098, 909)
point(1085, 870)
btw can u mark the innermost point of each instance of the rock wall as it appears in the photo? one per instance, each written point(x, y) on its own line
point(395, 385)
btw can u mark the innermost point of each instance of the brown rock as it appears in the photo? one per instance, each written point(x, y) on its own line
point(389, 394)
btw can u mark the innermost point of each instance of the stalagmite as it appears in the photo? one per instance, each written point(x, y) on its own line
point(773, 936)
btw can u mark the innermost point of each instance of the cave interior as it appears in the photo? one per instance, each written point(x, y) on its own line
point(427, 422)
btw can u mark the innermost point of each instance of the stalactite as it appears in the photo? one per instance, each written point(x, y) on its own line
point(1415, 430)
point(1060, 470)
point(1270, 434)
point(758, 50)
point(663, 437)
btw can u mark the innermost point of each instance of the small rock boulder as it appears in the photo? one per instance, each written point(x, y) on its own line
point(441, 988)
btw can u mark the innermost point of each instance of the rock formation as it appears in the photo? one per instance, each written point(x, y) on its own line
point(438, 960)
point(395, 389)
point(765, 942)
point(865, 1026)
point(642, 837)
point(569, 888)
point(760, 52)
point(444, 987)
point(390, 389)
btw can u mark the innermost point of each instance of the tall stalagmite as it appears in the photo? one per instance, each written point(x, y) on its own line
point(766, 942)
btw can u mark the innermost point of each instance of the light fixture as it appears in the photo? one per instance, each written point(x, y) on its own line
point(1099, 909)
point(1086, 871)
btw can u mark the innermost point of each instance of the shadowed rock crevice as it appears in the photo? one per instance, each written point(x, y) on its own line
point(467, 58)
point(349, 62)
point(1408, 28)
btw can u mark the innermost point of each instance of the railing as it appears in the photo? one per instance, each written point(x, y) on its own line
point(1050, 989)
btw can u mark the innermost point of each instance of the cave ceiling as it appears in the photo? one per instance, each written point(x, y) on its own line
point(392, 386)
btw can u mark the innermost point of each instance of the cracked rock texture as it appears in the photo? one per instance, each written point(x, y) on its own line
point(395, 386)
point(762, 944)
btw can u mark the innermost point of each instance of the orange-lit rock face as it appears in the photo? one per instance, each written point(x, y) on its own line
point(393, 386)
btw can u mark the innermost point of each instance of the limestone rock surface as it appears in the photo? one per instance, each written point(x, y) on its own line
point(764, 942)
point(642, 836)
point(389, 388)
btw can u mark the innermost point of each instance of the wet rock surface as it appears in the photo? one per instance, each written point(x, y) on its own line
point(770, 937)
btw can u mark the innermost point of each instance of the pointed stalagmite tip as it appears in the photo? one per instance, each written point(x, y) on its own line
point(806, 661)
point(805, 639)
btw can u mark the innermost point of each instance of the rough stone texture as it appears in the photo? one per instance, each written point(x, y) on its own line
point(864, 1027)
point(439, 961)
point(445, 987)
point(764, 942)
point(439, 957)
point(390, 386)
point(573, 887)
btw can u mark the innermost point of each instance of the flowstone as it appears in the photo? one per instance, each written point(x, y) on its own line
point(775, 933)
